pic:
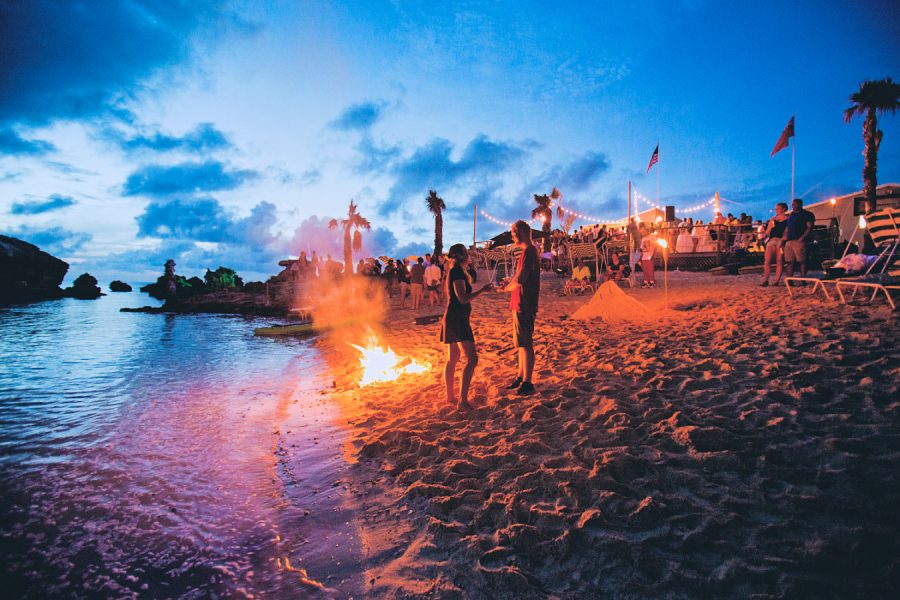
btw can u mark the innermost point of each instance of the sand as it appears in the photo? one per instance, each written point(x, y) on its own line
point(738, 444)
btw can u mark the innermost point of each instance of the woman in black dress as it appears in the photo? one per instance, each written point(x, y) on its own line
point(456, 331)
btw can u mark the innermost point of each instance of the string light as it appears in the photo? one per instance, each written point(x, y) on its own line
point(598, 220)
point(494, 219)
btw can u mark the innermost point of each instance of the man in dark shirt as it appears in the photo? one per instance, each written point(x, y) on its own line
point(799, 226)
point(525, 288)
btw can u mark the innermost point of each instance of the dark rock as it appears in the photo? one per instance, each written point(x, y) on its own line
point(84, 288)
point(119, 286)
point(27, 273)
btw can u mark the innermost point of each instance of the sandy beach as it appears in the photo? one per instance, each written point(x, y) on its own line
point(736, 444)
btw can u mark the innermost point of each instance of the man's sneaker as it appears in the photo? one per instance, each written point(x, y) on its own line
point(514, 383)
point(526, 389)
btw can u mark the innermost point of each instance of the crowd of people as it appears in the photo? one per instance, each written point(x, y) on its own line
point(448, 279)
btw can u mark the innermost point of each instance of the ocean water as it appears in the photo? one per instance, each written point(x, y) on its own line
point(160, 455)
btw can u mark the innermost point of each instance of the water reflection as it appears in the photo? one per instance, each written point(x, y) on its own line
point(142, 454)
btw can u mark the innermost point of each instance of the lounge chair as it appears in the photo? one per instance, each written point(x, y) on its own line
point(884, 228)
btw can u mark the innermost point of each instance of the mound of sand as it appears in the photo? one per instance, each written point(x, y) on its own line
point(610, 303)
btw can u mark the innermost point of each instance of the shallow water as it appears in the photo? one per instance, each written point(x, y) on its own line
point(165, 455)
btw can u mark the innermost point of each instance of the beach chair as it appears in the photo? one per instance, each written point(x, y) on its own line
point(884, 229)
point(585, 252)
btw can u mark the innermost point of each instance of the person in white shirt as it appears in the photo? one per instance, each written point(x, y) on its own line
point(433, 284)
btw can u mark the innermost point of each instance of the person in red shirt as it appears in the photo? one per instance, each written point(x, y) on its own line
point(525, 288)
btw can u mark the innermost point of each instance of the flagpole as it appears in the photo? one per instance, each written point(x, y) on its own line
point(793, 146)
point(474, 225)
point(657, 174)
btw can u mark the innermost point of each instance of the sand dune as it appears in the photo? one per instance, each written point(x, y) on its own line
point(737, 444)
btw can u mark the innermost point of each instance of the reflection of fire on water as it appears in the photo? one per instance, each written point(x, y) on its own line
point(380, 363)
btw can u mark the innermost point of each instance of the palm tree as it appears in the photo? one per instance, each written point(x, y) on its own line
point(435, 205)
point(872, 98)
point(545, 213)
point(354, 222)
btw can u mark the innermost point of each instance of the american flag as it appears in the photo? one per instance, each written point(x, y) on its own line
point(653, 159)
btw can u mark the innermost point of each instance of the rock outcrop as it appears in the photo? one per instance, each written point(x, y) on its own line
point(27, 273)
point(84, 288)
point(119, 286)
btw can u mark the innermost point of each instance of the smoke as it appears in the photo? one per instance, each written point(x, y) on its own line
point(347, 306)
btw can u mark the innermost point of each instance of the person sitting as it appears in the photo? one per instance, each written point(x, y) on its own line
point(581, 279)
point(615, 270)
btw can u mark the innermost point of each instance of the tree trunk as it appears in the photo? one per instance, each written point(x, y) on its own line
point(870, 175)
point(348, 252)
point(438, 234)
point(547, 227)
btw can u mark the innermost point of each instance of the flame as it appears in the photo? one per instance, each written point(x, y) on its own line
point(381, 364)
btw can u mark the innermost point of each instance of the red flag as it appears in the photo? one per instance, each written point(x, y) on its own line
point(653, 159)
point(786, 135)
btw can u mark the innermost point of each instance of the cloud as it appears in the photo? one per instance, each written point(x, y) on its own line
point(204, 138)
point(374, 158)
point(54, 240)
point(14, 144)
point(77, 60)
point(432, 167)
point(359, 117)
point(206, 220)
point(54, 202)
point(413, 249)
point(185, 178)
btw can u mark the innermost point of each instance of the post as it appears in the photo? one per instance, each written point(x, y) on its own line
point(474, 225)
point(629, 237)
point(793, 146)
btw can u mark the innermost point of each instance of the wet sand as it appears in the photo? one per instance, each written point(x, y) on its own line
point(737, 444)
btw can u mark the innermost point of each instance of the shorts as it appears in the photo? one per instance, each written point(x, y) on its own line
point(416, 288)
point(795, 250)
point(432, 288)
point(523, 330)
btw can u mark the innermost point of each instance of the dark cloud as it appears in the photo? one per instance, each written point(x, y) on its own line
point(186, 178)
point(373, 157)
point(205, 220)
point(359, 116)
point(54, 240)
point(413, 249)
point(583, 172)
point(432, 167)
point(74, 60)
point(14, 144)
point(204, 138)
point(54, 202)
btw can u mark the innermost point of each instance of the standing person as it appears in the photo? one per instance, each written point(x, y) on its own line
point(799, 226)
point(314, 264)
point(433, 284)
point(403, 280)
point(774, 253)
point(417, 283)
point(390, 275)
point(456, 331)
point(525, 288)
point(648, 247)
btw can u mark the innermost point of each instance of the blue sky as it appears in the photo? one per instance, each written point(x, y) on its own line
point(229, 133)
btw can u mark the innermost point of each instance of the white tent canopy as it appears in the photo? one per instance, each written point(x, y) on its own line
point(843, 209)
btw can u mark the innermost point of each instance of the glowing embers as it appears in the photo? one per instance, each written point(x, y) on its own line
point(381, 364)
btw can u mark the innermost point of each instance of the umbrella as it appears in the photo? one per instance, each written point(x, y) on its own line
point(505, 238)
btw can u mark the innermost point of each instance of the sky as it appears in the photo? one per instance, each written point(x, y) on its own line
point(230, 133)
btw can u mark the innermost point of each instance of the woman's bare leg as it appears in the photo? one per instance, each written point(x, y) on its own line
point(471, 362)
point(450, 371)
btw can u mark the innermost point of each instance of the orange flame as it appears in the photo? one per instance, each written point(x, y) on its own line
point(381, 364)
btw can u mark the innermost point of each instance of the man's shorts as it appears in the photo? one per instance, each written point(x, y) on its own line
point(523, 330)
point(795, 250)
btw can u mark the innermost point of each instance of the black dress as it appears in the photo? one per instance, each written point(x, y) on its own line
point(455, 325)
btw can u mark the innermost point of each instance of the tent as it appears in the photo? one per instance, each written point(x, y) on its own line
point(847, 208)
